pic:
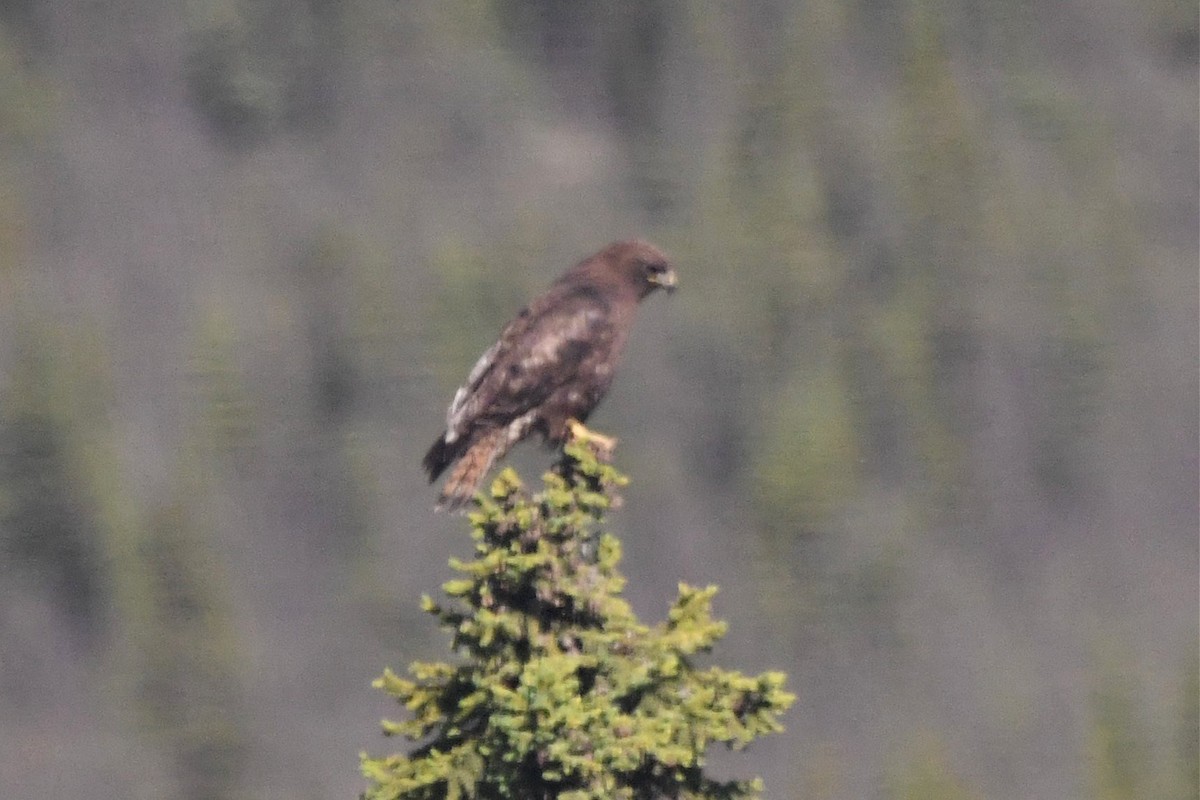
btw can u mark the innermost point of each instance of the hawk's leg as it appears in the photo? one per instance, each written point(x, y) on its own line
point(600, 444)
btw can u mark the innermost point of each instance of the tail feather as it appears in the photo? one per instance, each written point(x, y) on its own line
point(471, 468)
point(442, 455)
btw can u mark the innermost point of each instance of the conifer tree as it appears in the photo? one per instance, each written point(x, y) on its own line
point(560, 691)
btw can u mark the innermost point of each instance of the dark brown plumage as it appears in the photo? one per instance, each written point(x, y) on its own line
point(552, 364)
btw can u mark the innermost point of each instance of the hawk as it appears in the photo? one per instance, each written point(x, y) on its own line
point(550, 368)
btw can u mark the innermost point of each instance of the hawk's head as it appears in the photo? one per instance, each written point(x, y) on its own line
point(643, 265)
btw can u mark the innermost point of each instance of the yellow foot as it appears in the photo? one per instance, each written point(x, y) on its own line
point(603, 445)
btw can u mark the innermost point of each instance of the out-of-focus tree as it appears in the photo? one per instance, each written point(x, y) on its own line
point(255, 68)
point(188, 692)
point(926, 775)
point(1188, 738)
point(45, 512)
point(1120, 759)
point(933, 357)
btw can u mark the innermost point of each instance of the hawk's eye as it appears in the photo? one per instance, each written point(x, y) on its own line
point(659, 274)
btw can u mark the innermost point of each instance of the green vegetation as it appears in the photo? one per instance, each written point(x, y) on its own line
point(561, 691)
point(925, 406)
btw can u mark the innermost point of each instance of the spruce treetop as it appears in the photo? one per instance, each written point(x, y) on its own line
point(559, 691)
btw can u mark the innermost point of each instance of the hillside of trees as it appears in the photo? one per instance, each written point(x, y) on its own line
point(925, 406)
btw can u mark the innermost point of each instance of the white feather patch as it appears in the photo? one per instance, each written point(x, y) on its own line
point(454, 412)
point(517, 429)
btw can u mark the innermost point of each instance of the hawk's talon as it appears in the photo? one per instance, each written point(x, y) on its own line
point(601, 444)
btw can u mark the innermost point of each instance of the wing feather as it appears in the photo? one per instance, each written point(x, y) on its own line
point(454, 413)
point(537, 353)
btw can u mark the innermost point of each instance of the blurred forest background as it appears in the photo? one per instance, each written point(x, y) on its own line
point(925, 405)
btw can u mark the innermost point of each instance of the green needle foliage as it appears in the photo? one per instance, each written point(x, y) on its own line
point(562, 692)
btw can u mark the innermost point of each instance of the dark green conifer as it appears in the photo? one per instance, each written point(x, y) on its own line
point(560, 691)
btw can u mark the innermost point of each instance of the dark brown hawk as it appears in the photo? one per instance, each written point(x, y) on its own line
point(550, 368)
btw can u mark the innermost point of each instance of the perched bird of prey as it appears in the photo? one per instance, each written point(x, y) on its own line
point(552, 365)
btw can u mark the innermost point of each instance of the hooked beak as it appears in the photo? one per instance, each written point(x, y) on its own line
point(664, 280)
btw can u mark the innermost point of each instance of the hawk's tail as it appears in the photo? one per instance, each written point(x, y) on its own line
point(471, 468)
point(442, 455)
